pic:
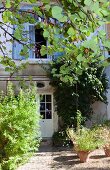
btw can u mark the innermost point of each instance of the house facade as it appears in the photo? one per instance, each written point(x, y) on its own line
point(37, 70)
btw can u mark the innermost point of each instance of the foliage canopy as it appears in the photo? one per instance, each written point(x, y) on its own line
point(66, 25)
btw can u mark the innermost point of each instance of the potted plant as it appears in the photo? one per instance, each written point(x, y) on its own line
point(104, 133)
point(107, 142)
point(84, 141)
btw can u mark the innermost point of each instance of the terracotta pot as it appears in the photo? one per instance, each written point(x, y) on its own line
point(83, 156)
point(107, 151)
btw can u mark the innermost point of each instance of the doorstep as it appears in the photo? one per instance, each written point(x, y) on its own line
point(46, 142)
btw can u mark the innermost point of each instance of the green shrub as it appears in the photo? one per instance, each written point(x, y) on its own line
point(73, 92)
point(19, 130)
point(60, 138)
point(103, 132)
point(85, 139)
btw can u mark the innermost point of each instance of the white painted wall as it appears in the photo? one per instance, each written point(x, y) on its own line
point(99, 115)
point(5, 38)
point(108, 94)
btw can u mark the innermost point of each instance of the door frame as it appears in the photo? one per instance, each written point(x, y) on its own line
point(48, 93)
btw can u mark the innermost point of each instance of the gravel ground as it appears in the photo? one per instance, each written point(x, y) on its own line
point(49, 158)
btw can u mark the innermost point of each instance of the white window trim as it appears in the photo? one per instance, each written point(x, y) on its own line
point(40, 60)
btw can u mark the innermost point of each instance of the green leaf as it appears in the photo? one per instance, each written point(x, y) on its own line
point(46, 33)
point(32, 1)
point(107, 43)
point(24, 51)
point(5, 16)
point(79, 57)
point(8, 69)
point(102, 32)
point(63, 19)
point(71, 31)
point(104, 12)
point(101, 58)
point(46, 1)
point(95, 6)
point(17, 33)
point(106, 63)
point(43, 50)
point(57, 12)
point(47, 7)
point(87, 2)
point(8, 4)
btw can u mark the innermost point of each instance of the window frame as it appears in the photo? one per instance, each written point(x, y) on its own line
point(32, 58)
point(45, 105)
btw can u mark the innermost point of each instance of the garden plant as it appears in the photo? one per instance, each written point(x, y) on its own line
point(84, 140)
point(19, 129)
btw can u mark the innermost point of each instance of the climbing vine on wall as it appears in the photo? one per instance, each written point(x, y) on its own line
point(74, 93)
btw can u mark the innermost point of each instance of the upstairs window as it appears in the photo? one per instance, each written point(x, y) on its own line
point(39, 41)
point(36, 39)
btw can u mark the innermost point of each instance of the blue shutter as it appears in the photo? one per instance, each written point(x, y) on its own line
point(32, 40)
point(58, 54)
point(17, 47)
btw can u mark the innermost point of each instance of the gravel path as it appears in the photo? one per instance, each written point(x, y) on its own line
point(49, 158)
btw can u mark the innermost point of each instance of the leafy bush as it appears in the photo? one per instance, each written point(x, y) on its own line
point(103, 132)
point(73, 92)
point(85, 139)
point(60, 138)
point(19, 128)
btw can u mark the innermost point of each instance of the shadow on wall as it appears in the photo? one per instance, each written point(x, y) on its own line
point(99, 115)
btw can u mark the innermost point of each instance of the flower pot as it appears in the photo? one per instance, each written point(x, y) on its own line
point(83, 156)
point(107, 151)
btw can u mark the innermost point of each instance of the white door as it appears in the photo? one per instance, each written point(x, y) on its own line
point(46, 123)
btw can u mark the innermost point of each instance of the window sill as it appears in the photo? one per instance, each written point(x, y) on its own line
point(39, 61)
point(35, 61)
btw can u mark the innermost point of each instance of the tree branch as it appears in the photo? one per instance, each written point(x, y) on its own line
point(14, 38)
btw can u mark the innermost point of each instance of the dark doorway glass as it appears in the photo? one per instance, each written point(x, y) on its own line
point(39, 41)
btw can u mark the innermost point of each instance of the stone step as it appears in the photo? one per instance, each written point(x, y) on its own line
point(46, 142)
